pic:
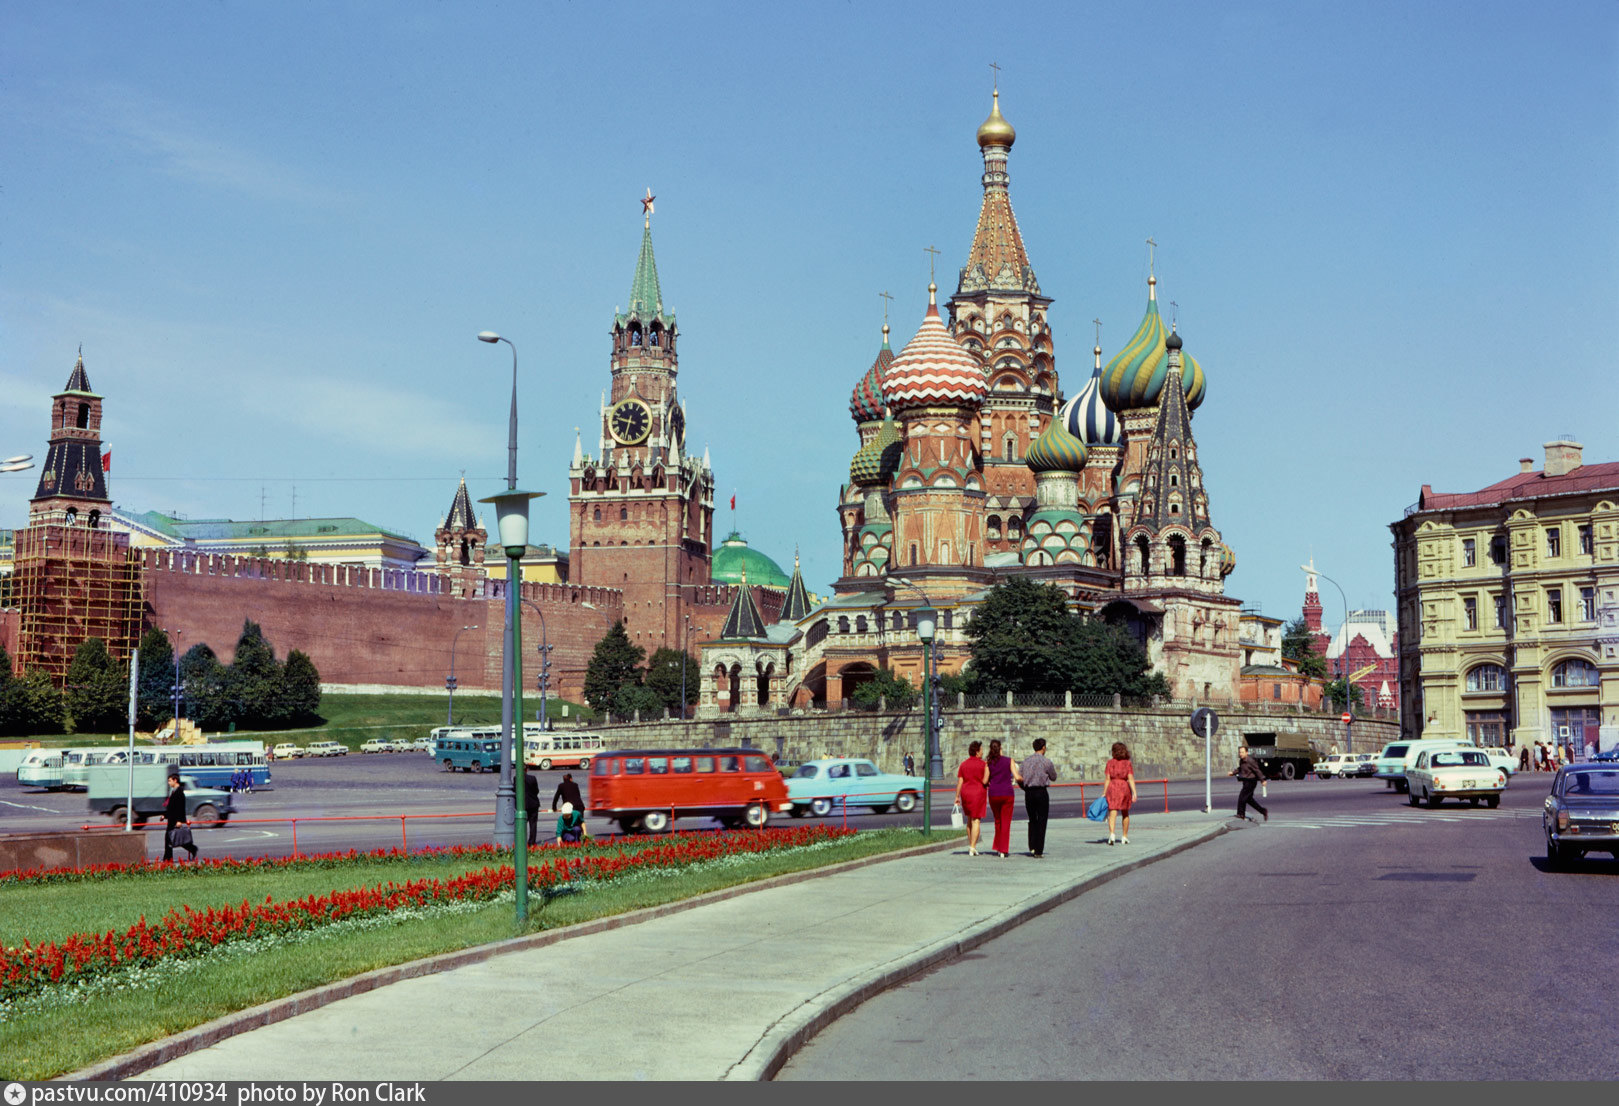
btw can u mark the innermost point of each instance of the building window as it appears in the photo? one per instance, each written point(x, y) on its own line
point(1585, 539)
point(843, 625)
point(1487, 677)
point(1576, 673)
point(1486, 728)
point(1498, 549)
point(1275, 691)
point(1469, 552)
point(860, 624)
point(623, 513)
point(1500, 612)
point(1470, 612)
point(1554, 605)
point(1554, 541)
point(1588, 604)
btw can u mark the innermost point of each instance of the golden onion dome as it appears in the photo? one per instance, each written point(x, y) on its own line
point(996, 131)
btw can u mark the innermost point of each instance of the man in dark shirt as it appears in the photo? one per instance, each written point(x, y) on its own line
point(174, 814)
point(567, 792)
point(1250, 772)
point(531, 804)
point(1038, 774)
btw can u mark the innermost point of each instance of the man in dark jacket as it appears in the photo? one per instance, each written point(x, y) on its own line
point(1250, 772)
point(567, 792)
point(174, 814)
point(531, 804)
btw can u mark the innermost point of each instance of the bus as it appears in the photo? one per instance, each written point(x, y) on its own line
point(467, 748)
point(41, 768)
point(211, 765)
point(545, 749)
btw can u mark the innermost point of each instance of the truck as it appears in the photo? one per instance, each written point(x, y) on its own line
point(1283, 755)
point(109, 794)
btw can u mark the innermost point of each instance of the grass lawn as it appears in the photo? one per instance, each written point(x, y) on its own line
point(352, 719)
point(38, 1041)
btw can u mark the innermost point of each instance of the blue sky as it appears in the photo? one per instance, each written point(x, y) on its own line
point(1391, 230)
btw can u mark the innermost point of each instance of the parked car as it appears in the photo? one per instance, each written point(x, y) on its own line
point(1581, 814)
point(1337, 764)
point(1501, 759)
point(379, 745)
point(820, 785)
point(1441, 774)
point(326, 749)
point(287, 750)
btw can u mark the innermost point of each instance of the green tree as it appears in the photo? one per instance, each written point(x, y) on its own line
point(637, 697)
point(153, 694)
point(10, 695)
point(1335, 691)
point(1108, 660)
point(97, 689)
point(39, 705)
point(300, 684)
point(253, 680)
point(887, 689)
point(663, 676)
point(612, 666)
point(205, 701)
point(1022, 636)
point(1298, 646)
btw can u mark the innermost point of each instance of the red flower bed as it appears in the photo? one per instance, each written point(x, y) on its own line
point(188, 932)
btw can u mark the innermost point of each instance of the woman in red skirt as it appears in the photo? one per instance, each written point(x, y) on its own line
point(970, 780)
point(1001, 797)
point(1121, 789)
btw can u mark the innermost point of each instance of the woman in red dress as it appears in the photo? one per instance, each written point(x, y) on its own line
point(970, 794)
point(1001, 797)
point(1121, 789)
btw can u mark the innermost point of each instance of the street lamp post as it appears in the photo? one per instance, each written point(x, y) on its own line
point(1343, 658)
point(926, 630)
point(449, 681)
point(178, 688)
point(685, 633)
point(544, 681)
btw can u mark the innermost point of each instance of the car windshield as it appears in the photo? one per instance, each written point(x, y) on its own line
point(1457, 760)
point(808, 772)
point(1599, 781)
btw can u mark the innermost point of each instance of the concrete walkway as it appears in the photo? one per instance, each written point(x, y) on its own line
point(727, 990)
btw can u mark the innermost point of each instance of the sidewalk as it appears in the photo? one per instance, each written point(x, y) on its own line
point(727, 990)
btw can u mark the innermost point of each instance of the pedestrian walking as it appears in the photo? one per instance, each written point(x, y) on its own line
point(177, 827)
point(567, 792)
point(1523, 759)
point(1249, 772)
point(971, 797)
point(910, 765)
point(1121, 789)
point(1003, 775)
point(1038, 774)
point(531, 805)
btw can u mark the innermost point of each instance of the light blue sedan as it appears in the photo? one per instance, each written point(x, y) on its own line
point(819, 786)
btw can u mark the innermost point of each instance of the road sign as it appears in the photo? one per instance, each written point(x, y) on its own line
point(1205, 721)
point(1348, 718)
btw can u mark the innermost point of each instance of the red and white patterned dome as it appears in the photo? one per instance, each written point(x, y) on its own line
point(933, 369)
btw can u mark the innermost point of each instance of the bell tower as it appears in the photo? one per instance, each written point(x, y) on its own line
point(641, 509)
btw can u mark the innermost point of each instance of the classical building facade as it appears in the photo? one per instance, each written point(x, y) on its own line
point(970, 469)
point(1508, 605)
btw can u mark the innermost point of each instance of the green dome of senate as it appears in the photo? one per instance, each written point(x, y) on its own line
point(733, 556)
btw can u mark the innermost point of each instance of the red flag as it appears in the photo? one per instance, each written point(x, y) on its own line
point(106, 461)
point(733, 503)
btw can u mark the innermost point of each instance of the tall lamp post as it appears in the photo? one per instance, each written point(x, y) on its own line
point(178, 688)
point(1343, 658)
point(685, 633)
point(926, 630)
point(544, 680)
point(449, 681)
point(511, 512)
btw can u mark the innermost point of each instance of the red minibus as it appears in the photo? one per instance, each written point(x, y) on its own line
point(647, 789)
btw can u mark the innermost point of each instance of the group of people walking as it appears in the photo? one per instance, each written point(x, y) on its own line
point(985, 785)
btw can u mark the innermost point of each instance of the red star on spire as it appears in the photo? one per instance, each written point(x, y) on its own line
point(646, 204)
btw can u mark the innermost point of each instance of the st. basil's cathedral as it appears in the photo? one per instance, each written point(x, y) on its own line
point(972, 469)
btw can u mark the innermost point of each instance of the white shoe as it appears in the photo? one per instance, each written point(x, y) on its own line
point(1110, 840)
point(1126, 841)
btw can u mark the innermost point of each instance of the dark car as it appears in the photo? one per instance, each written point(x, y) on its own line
point(1582, 813)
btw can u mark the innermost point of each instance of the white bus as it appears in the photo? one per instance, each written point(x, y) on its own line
point(544, 749)
point(41, 768)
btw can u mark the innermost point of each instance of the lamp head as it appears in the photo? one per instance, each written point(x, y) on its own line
point(488, 336)
point(925, 624)
point(511, 518)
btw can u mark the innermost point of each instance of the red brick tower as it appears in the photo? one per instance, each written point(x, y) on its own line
point(641, 511)
point(1319, 638)
point(460, 541)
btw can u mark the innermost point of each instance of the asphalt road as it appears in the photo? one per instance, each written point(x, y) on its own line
point(1353, 938)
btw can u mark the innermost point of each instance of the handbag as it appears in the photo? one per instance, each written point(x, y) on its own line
point(956, 819)
point(180, 836)
point(1097, 811)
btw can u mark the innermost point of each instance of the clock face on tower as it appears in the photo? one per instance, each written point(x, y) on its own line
point(630, 421)
point(677, 425)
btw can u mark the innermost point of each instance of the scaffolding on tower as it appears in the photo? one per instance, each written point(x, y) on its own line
point(72, 583)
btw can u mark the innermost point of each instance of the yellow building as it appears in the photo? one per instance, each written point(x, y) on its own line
point(347, 541)
point(1509, 607)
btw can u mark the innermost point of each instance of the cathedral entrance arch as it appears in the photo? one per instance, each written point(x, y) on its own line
point(852, 675)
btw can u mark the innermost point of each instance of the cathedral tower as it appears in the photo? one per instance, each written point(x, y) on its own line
point(999, 315)
point(459, 544)
point(641, 510)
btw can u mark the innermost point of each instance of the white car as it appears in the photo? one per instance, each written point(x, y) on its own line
point(1502, 759)
point(379, 745)
point(326, 749)
point(288, 751)
point(1441, 774)
point(1342, 765)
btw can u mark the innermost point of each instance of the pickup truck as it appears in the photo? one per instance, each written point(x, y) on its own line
point(109, 794)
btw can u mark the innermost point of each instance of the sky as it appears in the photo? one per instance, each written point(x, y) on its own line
point(1391, 231)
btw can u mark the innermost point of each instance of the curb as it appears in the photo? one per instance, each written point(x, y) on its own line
point(795, 1030)
point(153, 1053)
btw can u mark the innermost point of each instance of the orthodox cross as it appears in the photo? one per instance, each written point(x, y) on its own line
point(886, 297)
point(934, 254)
point(997, 76)
point(1098, 325)
point(1152, 248)
point(1174, 310)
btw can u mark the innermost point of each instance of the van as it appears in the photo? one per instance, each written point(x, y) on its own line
point(1397, 756)
point(647, 789)
point(469, 750)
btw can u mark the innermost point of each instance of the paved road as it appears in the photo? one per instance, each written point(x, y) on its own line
point(1379, 942)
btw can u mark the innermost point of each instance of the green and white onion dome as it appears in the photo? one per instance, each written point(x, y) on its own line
point(1088, 417)
point(1056, 450)
point(1135, 377)
point(866, 404)
point(876, 462)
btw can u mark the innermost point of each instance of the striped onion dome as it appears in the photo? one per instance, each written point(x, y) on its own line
point(1056, 450)
point(875, 462)
point(933, 368)
point(866, 405)
point(1135, 376)
point(1228, 560)
point(1087, 417)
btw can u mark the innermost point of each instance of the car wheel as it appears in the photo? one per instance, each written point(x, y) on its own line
point(626, 825)
point(118, 813)
point(1473, 800)
point(655, 821)
point(1554, 855)
point(1433, 801)
point(448, 766)
point(545, 764)
point(476, 767)
point(207, 814)
point(1411, 798)
point(1401, 786)
point(1287, 771)
point(881, 808)
point(820, 807)
point(905, 802)
point(757, 816)
point(584, 762)
point(1492, 801)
